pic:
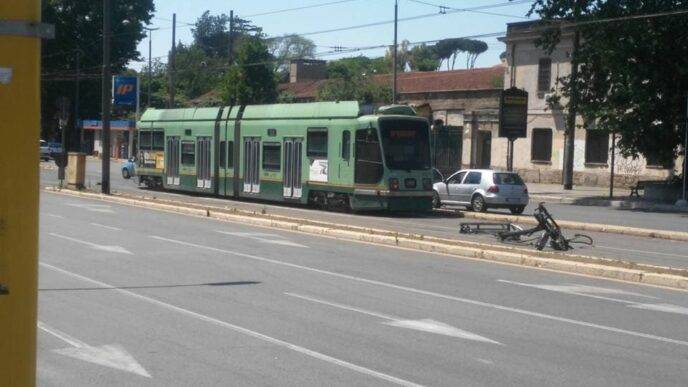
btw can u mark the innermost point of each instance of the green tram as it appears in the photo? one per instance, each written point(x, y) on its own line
point(325, 153)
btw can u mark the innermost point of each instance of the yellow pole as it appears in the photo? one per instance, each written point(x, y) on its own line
point(19, 130)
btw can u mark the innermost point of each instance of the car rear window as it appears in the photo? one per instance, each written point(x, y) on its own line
point(507, 179)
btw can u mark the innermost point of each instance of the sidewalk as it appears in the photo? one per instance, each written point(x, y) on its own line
point(596, 196)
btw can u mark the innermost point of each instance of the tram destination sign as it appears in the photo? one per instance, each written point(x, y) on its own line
point(513, 113)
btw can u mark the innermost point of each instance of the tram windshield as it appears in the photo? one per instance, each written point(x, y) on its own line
point(406, 144)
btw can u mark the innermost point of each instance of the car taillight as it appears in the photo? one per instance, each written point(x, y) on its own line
point(427, 184)
point(525, 189)
point(394, 184)
point(493, 189)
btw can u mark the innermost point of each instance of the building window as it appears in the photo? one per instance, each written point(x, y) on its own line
point(596, 147)
point(317, 142)
point(188, 153)
point(271, 156)
point(346, 145)
point(541, 145)
point(544, 75)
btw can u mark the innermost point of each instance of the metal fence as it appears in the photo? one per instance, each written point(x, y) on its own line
point(446, 143)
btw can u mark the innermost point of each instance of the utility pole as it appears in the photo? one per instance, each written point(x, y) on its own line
point(150, 62)
point(20, 109)
point(611, 173)
point(569, 145)
point(684, 198)
point(230, 54)
point(106, 99)
point(171, 64)
point(77, 128)
point(394, 59)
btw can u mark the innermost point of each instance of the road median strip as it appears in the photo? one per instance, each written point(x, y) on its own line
point(583, 226)
point(579, 264)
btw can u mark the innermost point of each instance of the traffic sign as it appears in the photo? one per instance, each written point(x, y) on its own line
point(513, 113)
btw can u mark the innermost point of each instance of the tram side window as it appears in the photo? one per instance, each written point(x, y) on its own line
point(369, 168)
point(230, 154)
point(346, 145)
point(317, 142)
point(145, 140)
point(158, 141)
point(271, 156)
point(223, 154)
point(188, 153)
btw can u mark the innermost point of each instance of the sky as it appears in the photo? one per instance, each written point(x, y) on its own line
point(431, 25)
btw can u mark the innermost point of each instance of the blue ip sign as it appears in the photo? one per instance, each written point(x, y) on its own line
point(124, 90)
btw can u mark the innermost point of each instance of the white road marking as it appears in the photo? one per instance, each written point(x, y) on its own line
point(581, 290)
point(107, 227)
point(242, 330)
point(113, 356)
point(272, 239)
point(104, 208)
point(53, 215)
point(425, 325)
point(110, 249)
point(433, 294)
point(668, 308)
point(643, 251)
point(484, 361)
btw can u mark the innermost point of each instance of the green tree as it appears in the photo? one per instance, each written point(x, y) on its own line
point(211, 33)
point(403, 55)
point(423, 58)
point(196, 73)
point(288, 47)
point(78, 27)
point(251, 79)
point(358, 65)
point(633, 72)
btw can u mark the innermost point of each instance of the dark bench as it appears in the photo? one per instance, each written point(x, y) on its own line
point(640, 185)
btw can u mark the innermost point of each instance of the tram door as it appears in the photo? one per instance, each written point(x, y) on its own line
point(291, 178)
point(252, 164)
point(203, 171)
point(172, 161)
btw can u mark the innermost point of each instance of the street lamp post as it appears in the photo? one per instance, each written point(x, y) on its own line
point(150, 61)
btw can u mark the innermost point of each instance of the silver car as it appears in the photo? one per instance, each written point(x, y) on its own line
point(480, 189)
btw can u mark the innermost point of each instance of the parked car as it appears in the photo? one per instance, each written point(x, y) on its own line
point(480, 189)
point(44, 150)
point(129, 168)
point(55, 148)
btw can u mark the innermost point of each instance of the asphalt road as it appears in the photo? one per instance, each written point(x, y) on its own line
point(130, 296)
point(443, 224)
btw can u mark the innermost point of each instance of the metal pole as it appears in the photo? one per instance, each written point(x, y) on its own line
point(230, 54)
point(394, 59)
point(569, 146)
point(77, 127)
point(510, 155)
point(150, 65)
point(106, 99)
point(171, 65)
point(685, 158)
point(20, 108)
point(611, 173)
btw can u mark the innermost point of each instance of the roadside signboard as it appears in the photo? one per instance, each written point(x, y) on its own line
point(124, 90)
point(513, 113)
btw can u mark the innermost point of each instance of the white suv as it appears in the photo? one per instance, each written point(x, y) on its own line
point(480, 189)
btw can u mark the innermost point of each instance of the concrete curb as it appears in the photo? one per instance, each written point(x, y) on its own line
point(593, 227)
point(599, 267)
point(610, 203)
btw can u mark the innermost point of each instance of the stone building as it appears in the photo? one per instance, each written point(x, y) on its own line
point(539, 157)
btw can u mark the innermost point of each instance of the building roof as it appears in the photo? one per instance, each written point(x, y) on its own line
point(488, 78)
